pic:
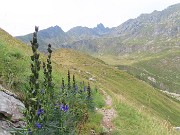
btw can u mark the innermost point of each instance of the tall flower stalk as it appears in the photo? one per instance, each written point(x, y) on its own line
point(32, 98)
point(47, 112)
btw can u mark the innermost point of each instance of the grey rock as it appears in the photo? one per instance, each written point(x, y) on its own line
point(10, 112)
point(11, 107)
point(177, 129)
point(4, 132)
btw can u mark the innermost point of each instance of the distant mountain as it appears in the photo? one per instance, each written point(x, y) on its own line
point(145, 45)
point(79, 33)
point(59, 39)
point(149, 32)
point(53, 35)
point(162, 24)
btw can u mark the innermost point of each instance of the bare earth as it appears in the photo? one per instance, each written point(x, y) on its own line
point(108, 114)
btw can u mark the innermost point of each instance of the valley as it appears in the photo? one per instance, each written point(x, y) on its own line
point(138, 44)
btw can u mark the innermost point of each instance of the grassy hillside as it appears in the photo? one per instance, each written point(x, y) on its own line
point(14, 61)
point(15, 71)
point(163, 67)
point(144, 40)
point(141, 109)
point(139, 106)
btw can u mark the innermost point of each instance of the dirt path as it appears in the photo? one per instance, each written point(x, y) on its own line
point(108, 114)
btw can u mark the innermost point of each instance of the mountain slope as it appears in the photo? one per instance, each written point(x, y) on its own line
point(13, 61)
point(80, 33)
point(135, 41)
point(52, 35)
point(148, 33)
point(15, 70)
point(163, 23)
point(60, 39)
point(139, 106)
point(123, 87)
point(165, 69)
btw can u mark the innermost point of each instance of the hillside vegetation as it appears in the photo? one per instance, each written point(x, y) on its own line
point(165, 69)
point(138, 105)
point(140, 108)
point(15, 72)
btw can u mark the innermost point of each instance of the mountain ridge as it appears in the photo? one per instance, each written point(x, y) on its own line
point(146, 37)
point(146, 30)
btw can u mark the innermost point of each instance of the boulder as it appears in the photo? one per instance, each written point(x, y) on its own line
point(11, 107)
point(4, 132)
point(10, 111)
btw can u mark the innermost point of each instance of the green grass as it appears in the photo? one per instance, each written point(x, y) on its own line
point(14, 62)
point(98, 99)
point(163, 66)
point(94, 123)
point(134, 122)
point(166, 69)
point(125, 89)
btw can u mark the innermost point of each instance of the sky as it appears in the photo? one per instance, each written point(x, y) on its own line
point(18, 17)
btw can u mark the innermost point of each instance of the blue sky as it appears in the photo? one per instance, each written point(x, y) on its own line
point(18, 17)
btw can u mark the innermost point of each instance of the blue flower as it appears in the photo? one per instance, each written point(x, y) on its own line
point(40, 111)
point(64, 107)
point(29, 131)
point(38, 125)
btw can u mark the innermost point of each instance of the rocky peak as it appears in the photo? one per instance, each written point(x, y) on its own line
point(101, 30)
point(100, 26)
point(51, 32)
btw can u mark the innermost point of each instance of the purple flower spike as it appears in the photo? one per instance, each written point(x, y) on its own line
point(64, 107)
point(38, 125)
point(40, 111)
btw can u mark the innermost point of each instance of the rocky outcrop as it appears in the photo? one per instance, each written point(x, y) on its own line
point(10, 111)
point(4, 132)
point(174, 95)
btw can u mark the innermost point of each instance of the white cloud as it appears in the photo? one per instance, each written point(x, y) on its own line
point(19, 16)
